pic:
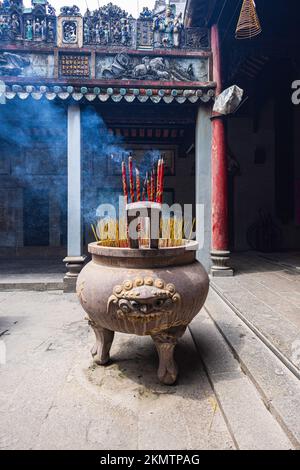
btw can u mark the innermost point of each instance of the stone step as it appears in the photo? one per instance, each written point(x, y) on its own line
point(251, 425)
point(278, 387)
point(31, 286)
point(31, 274)
point(275, 320)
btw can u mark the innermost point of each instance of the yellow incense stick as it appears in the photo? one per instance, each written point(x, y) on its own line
point(192, 227)
point(94, 232)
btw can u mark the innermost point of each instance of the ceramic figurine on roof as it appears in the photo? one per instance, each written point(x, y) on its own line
point(146, 14)
point(11, 21)
point(28, 31)
point(177, 30)
point(70, 29)
point(70, 11)
point(39, 22)
point(50, 10)
point(109, 25)
point(16, 25)
point(168, 28)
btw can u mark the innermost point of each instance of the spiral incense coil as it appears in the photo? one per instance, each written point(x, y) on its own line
point(248, 25)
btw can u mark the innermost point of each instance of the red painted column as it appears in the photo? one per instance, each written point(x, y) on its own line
point(219, 253)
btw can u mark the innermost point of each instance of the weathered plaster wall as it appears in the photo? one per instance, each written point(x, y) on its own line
point(297, 162)
point(33, 162)
point(255, 186)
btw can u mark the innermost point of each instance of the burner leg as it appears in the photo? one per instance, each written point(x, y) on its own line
point(165, 345)
point(104, 338)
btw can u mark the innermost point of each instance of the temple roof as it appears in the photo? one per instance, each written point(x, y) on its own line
point(154, 57)
point(129, 95)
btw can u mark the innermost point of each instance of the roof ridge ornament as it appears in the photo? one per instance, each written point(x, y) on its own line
point(70, 11)
point(105, 27)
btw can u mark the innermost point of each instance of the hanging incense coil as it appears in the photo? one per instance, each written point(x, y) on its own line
point(248, 25)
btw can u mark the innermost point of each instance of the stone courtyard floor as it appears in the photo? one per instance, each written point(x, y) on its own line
point(53, 397)
point(265, 293)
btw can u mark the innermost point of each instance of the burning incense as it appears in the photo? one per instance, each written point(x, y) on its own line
point(95, 233)
point(158, 184)
point(155, 182)
point(192, 228)
point(131, 183)
point(148, 188)
point(124, 180)
point(161, 181)
point(138, 184)
point(158, 180)
point(152, 186)
point(144, 190)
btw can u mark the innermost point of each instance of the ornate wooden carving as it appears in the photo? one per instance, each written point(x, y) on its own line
point(74, 65)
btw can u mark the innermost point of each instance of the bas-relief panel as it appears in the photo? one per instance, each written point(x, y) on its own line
point(120, 66)
point(123, 66)
point(41, 65)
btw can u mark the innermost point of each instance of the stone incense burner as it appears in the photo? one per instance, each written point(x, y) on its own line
point(143, 292)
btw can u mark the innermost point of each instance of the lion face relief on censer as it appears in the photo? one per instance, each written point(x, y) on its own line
point(143, 300)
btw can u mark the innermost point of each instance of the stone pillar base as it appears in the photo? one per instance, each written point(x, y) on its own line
point(74, 265)
point(220, 260)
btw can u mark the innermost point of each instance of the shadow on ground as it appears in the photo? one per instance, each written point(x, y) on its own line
point(134, 364)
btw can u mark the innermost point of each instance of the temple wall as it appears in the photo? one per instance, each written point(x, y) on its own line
point(297, 161)
point(33, 173)
point(33, 176)
point(254, 187)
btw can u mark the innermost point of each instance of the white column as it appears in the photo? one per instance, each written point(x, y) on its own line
point(74, 260)
point(74, 181)
point(203, 184)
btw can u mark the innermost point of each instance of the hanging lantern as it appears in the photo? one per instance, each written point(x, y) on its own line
point(248, 25)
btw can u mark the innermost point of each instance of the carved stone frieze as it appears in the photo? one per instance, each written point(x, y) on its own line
point(123, 66)
point(12, 64)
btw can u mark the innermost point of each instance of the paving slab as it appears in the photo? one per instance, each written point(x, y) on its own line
point(290, 260)
point(52, 397)
point(31, 274)
point(267, 296)
point(251, 424)
point(277, 385)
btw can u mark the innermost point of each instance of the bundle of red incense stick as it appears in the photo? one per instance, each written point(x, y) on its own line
point(153, 186)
